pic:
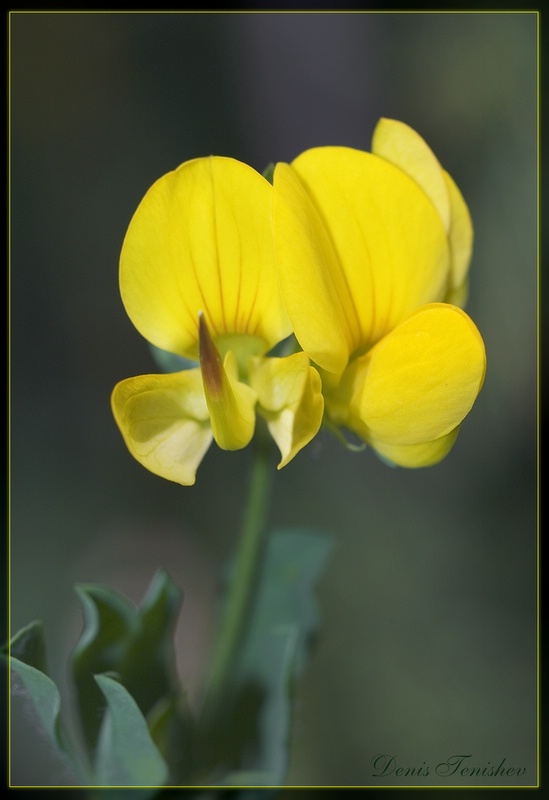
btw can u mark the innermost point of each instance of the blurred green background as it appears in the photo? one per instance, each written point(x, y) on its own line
point(428, 642)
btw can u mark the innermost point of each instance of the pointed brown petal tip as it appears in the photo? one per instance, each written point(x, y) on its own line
point(210, 360)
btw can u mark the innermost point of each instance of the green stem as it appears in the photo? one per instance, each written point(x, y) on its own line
point(243, 576)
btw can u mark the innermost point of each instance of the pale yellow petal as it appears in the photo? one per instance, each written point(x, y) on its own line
point(422, 379)
point(164, 422)
point(461, 243)
point(366, 251)
point(416, 455)
point(401, 145)
point(459, 295)
point(290, 398)
point(201, 240)
point(405, 148)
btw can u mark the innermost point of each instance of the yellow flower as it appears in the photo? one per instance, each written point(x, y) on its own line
point(198, 279)
point(382, 241)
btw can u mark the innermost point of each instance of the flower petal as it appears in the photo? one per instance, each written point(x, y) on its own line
point(403, 146)
point(201, 240)
point(416, 455)
point(459, 295)
point(231, 403)
point(164, 422)
point(290, 398)
point(422, 379)
point(312, 280)
point(461, 243)
point(367, 248)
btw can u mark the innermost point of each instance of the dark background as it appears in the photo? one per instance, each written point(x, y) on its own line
point(428, 644)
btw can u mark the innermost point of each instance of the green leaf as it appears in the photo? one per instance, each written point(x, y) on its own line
point(272, 660)
point(172, 730)
point(273, 654)
point(294, 562)
point(109, 622)
point(126, 753)
point(171, 362)
point(45, 698)
point(29, 646)
point(149, 667)
point(283, 624)
point(45, 701)
point(138, 645)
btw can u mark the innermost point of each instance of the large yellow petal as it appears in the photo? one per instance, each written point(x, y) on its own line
point(290, 398)
point(311, 277)
point(164, 422)
point(361, 254)
point(201, 240)
point(416, 455)
point(421, 380)
point(404, 147)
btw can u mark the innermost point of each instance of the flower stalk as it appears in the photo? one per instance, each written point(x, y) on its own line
point(243, 577)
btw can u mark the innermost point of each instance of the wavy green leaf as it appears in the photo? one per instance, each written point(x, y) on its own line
point(109, 623)
point(254, 738)
point(294, 562)
point(138, 645)
point(149, 666)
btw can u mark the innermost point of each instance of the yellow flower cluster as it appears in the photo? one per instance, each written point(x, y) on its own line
point(361, 256)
